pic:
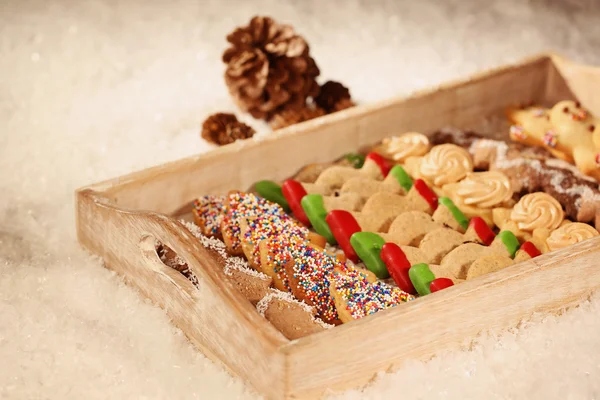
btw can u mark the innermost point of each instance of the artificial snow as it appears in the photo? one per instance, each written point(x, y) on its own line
point(91, 90)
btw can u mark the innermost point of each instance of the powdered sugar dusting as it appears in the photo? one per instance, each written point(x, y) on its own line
point(264, 303)
point(456, 134)
point(324, 324)
point(239, 264)
point(231, 263)
point(558, 163)
point(582, 192)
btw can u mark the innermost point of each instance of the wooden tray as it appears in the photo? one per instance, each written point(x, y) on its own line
point(120, 219)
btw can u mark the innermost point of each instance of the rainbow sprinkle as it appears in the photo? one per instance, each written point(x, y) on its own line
point(518, 132)
point(272, 226)
point(278, 255)
point(550, 139)
point(313, 269)
point(246, 205)
point(210, 210)
point(580, 115)
point(363, 298)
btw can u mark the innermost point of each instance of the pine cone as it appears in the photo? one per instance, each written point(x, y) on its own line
point(269, 68)
point(334, 97)
point(224, 128)
point(291, 116)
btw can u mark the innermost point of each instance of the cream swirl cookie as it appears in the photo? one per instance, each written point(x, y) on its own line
point(569, 234)
point(537, 210)
point(445, 163)
point(479, 192)
point(532, 218)
point(399, 148)
point(484, 189)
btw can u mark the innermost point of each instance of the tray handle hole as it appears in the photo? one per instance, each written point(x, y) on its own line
point(165, 262)
point(172, 260)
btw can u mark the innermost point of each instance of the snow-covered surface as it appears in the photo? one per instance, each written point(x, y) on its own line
point(90, 90)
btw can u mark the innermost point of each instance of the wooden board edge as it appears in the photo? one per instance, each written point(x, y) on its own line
point(551, 282)
point(214, 275)
point(93, 207)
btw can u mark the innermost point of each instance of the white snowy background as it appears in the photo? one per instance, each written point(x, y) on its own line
point(91, 90)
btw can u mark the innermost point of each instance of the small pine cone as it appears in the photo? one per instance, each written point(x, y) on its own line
point(294, 115)
point(224, 128)
point(334, 97)
point(269, 68)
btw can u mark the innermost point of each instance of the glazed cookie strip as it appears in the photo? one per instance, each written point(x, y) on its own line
point(306, 272)
point(302, 268)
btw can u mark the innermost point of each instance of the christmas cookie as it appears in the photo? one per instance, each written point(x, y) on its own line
point(309, 271)
point(356, 296)
point(479, 192)
point(536, 214)
point(399, 148)
point(568, 130)
point(291, 317)
point(569, 234)
point(444, 164)
point(208, 213)
point(532, 169)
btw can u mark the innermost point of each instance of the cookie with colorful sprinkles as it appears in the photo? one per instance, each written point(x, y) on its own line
point(355, 296)
point(308, 270)
point(291, 317)
point(208, 213)
point(256, 229)
point(273, 258)
point(241, 206)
